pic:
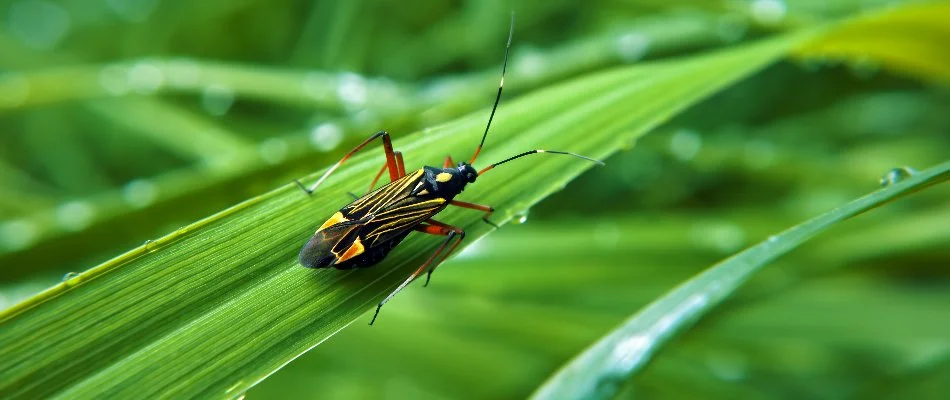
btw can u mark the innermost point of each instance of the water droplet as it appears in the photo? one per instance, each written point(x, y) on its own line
point(273, 150)
point(326, 136)
point(530, 63)
point(632, 46)
point(75, 215)
point(896, 175)
point(144, 77)
point(772, 239)
point(769, 12)
point(352, 91)
point(14, 90)
point(722, 236)
point(133, 10)
point(685, 144)
point(521, 217)
point(38, 24)
point(147, 244)
point(139, 193)
point(17, 234)
point(70, 275)
point(114, 79)
point(731, 27)
point(217, 99)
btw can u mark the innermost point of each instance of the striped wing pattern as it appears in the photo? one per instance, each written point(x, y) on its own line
point(383, 215)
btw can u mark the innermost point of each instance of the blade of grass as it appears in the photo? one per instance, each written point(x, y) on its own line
point(910, 39)
point(601, 370)
point(215, 307)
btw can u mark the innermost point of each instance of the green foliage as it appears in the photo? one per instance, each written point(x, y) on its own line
point(119, 131)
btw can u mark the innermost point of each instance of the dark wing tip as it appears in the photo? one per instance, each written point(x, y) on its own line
point(316, 253)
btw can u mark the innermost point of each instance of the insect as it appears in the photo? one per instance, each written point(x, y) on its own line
point(364, 231)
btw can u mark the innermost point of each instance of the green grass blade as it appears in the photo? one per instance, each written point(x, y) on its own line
point(910, 39)
point(215, 307)
point(601, 370)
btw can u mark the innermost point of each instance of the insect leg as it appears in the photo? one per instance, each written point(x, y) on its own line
point(400, 168)
point(400, 164)
point(450, 234)
point(390, 160)
point(487, 209)
point(448, 162)
point(444, 226)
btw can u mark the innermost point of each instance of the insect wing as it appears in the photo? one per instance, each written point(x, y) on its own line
point(328, 244)
point(400, 217)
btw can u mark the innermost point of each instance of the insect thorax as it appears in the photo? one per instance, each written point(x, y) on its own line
point(445, 183)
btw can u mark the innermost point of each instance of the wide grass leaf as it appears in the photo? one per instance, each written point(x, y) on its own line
point(911, 39)
point(216, 306)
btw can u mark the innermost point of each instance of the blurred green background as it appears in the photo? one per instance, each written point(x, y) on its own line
point(124, 119)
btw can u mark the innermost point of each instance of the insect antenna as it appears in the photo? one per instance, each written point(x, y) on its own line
point(528, 153)
point(501, 85)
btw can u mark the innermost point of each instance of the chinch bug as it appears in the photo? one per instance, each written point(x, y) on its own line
point(363, 232)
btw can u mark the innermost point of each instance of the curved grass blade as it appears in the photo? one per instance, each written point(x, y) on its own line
point(910, 39)
point(217, 306)
point(601, 370)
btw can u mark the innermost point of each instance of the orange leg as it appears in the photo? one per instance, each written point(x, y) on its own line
point(390, 160)
point(400, 164)
point(432, 228)
point(448, 162)
point(400, 168)
point(487, 209)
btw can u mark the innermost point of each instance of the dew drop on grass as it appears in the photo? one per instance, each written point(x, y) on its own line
point(273, 150)
point(731, 27)
point(326, 136)
point(896, 175)
point(145, 77)
point(114, 79)
point(352, 91)
point(685, 144)
point(17, 234)
point(769, 12)
point(217, 99)
point(530, 63)
point(139, 193)
point(70, 275)
point(722, 236)
point(521, 217)
point(75, 215)
point(632, 46)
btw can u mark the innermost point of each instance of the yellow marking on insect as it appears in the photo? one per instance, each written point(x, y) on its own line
point(443, 177)
point(337, 218)
point(355, 249)
point(423, 192)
